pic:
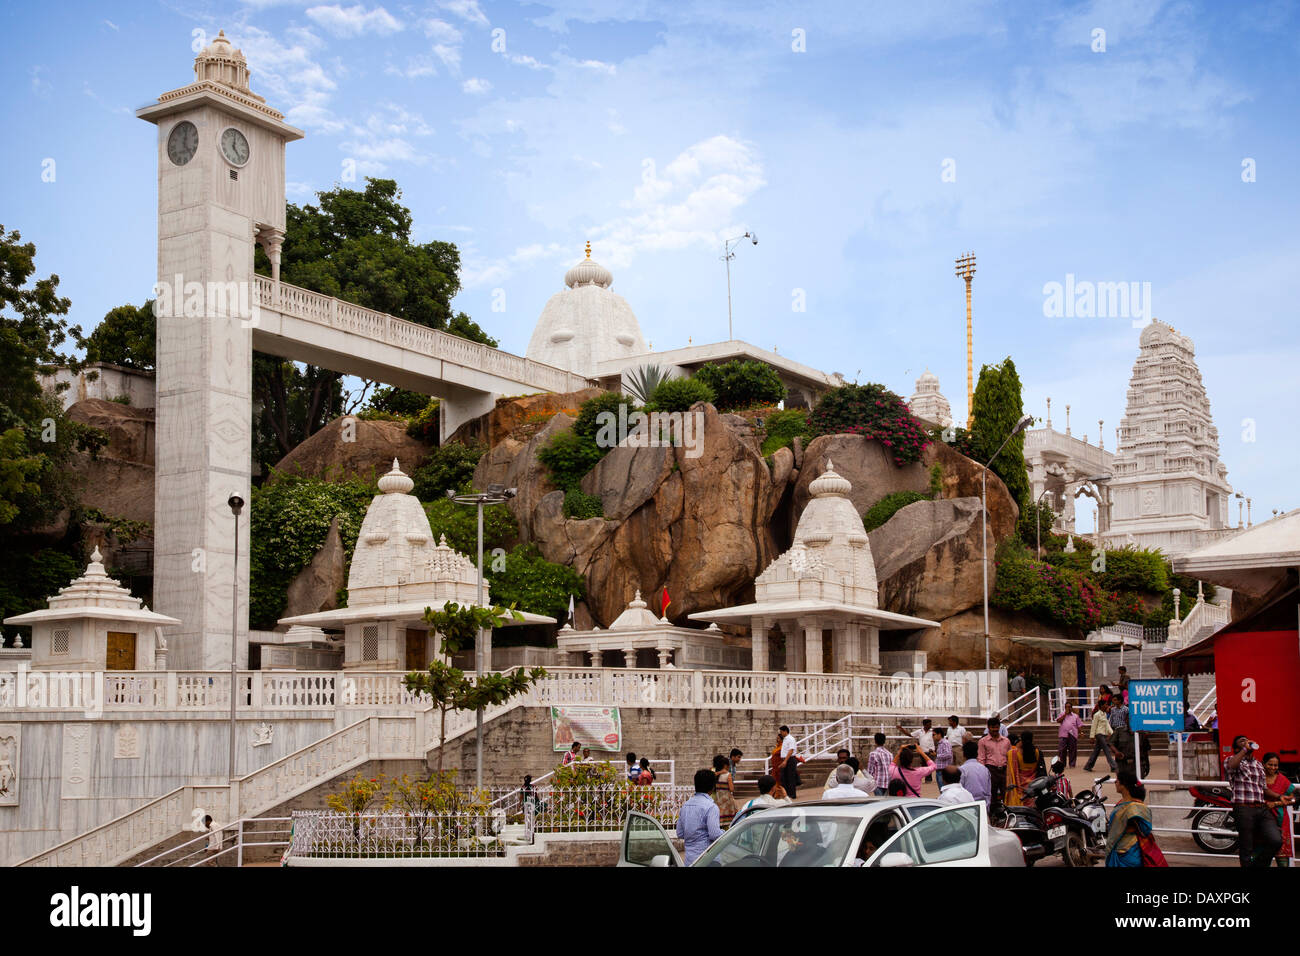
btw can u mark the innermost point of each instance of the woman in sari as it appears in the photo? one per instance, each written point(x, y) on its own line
point(778, 792)
point(1130, 820)
point(724, 795)
point(1024, 763)
point(1279, 793)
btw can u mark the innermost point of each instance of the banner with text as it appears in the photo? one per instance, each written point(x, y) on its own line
point(596, 727)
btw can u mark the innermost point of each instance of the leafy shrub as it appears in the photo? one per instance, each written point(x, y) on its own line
point(531, 583)
point(1126, 569)
point(742, 384)
point(568, 456)
point(578, 504)
point(874, 412)
point(783, 427)
point(886, 507)
point(289, 519)
point(1035, 524)
point(397, 401)
point(375, 415)
point(450, 466)
point(1056, 595)
point(424, 425)
point(587, 424)
point(460, 524)
point(29, 578)
point(678, 395)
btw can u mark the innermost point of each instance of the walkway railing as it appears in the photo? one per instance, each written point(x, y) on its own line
point(379, 326)
point(1202, 617)
point(1084, 700)
point(93, 692)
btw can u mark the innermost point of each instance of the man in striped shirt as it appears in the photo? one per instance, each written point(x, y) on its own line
point(878, 764)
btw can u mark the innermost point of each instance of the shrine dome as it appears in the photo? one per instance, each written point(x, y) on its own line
point(586, 324)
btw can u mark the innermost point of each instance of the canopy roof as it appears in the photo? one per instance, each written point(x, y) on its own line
point(1253, 561)
point(1063, 646)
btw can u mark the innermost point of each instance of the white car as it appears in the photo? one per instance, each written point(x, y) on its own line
point(882, 831)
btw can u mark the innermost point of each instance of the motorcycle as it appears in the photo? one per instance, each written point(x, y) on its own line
point(1075, 827)
point(1028, 826)
point(1211, 811)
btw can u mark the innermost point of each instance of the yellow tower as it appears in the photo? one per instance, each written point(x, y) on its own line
point(966, 270)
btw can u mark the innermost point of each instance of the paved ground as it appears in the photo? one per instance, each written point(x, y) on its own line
point(1172, 844)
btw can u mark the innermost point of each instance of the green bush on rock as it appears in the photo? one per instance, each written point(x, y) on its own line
point(741, 384)
point(450, 466)
point(783, 427)
point(888, 506)
point(678, 395)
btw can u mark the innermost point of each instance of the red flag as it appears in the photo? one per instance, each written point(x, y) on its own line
point(664, 601)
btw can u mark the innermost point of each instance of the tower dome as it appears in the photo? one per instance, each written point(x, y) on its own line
point(586, 324)
point(928, 402)
point(222, 63)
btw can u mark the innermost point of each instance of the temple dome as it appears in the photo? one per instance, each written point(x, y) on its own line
point(396, 559)
point(586, 324)
point(831, 554)
point(636, 616)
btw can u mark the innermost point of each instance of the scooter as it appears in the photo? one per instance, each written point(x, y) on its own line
point(1076, 828)
point(1212, 810)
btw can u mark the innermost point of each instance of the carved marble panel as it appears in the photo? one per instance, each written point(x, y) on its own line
point(10, 746)
point(126, 742)
point(78, 747)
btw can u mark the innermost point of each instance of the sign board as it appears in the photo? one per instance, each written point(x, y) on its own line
point(597, 728)
point(1155, 706)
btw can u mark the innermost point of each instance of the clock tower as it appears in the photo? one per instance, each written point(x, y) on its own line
point(220, 193)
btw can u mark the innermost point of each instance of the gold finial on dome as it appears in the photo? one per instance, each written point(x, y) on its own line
point(588, 248)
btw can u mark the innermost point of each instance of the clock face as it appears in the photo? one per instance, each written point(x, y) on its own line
point(182, 143)
point(234, 146)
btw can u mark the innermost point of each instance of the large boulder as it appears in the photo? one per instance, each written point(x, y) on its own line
point(960, 478)
point(513, 463)
point(928, 558)
point(316, 587)
point(958, 643)
point(510, 413)
point(865, 462)
point(353, 447)
point(119, 480)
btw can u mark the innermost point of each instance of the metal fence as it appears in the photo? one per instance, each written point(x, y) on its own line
point(329, 835)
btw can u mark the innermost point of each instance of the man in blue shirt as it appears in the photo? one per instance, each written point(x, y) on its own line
point(699, 823)
point(1122, 739)
point(974, 775)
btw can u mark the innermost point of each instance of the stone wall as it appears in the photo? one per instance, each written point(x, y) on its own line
point(520, 741)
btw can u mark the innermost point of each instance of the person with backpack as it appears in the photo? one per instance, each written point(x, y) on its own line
point(1128, 835)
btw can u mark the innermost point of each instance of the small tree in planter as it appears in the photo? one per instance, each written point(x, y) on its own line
point(355, 798)
point(450, 688)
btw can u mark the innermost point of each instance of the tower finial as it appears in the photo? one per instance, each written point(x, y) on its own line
point(588, 248)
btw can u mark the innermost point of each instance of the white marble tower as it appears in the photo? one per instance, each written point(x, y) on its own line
point(1170, 490)
point(220, 191)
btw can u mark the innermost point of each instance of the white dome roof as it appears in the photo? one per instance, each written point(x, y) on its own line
point(586, 324)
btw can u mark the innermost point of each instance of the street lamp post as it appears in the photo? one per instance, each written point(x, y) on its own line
point(1038, 523)
point(236, 506)
point(727, 257)
point(495, 495)
point(1021, 425)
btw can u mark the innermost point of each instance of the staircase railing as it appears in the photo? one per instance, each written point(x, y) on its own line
point(1205, 706)
point(1202, 616)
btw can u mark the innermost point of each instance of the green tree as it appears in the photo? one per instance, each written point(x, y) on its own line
point(125, 336)
point(742, 384)
point(530, 582)
point(398, 401)
point(678, 395)
point(450, 688)
point(997, 408)
point(36, 438)
point(450, 466)
point(356, 245)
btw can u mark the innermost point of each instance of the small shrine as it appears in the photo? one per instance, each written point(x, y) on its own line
point(636, 638)
point(95, 624)
point(397, 572)
point(821, 593)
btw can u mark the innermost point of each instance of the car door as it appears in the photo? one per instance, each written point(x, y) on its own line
point(950, 836)
point(645, 843)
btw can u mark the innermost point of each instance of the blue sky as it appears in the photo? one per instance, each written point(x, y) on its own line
point(656, 130)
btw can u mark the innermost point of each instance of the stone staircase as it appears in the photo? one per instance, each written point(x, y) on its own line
point(813, 773)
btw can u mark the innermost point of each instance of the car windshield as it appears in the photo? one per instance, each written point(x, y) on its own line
point(802, 840)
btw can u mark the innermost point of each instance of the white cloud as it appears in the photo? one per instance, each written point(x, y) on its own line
point(450, 56)
point(112, 26)
point(528, 61)
point(476, 86)
point(291, 79)
point(467, 10)
point(416, 66)
point(354, 21)
point(440, 31)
